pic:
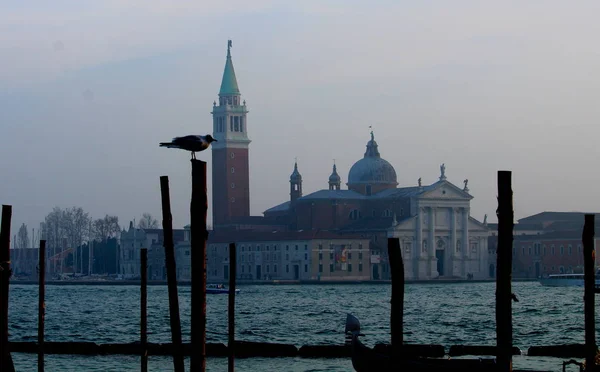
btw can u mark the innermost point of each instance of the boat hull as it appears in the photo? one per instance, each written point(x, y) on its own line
point(219, 291)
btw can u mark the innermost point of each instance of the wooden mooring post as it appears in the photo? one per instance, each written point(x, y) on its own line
point(6, 363)
point(397, 300)
point(41, 303)
point(231, 307)
point(505, 215)
point(589, 261)
point(144, 308)
point(171, 275)
point(198, 235)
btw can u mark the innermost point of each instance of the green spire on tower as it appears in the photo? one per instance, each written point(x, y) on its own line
point(229, 84)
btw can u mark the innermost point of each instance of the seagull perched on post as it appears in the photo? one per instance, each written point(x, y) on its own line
point(190, 143)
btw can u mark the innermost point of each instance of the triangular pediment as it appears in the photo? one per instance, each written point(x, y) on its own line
point(445, 190)
point(405, 224)
point(476, 225)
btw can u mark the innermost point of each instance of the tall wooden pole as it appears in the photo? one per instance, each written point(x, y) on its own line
point(231, 308)
point(589, 258)
point(171, 275)
point(504, 271)
point(41, 303)
point(198, 237)
point(397, 301)
point(144, 308)
point(6, 363)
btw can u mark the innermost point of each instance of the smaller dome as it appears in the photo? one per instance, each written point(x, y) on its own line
point(335, 177)
point(295, 176)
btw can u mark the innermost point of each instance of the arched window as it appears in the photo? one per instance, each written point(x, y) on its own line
point(355, 214)
point(424, 245)
point(387, 213)
point(458, 247)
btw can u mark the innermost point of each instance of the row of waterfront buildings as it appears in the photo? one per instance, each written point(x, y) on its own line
point(545, 243)
point(341, 233)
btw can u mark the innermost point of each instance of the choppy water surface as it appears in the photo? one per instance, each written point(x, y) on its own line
point(444, 314)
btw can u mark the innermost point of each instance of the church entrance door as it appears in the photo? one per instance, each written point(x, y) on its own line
point(439, 254)
point(296, 272)
point(537, 269)
point(258, 273)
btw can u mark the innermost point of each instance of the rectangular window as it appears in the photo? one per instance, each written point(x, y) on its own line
point(360, 267)
point(349, 268)
point(305, 268)
point(231, 123)
point(570, 250)
point(236, 123)
point(305, 247)
point(320, 268)
point(296, 246)
point(243, 267)
point(287, 268)
point(320, 256)
point(320, 246)
point(349, 255)
point(360, 255)
point(306, 256)
point(330, 268)
point(241, 123)
point(274, 268)
point(267, 268)
point(359, 246)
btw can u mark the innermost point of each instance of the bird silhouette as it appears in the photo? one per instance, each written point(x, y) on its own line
point(191, 143)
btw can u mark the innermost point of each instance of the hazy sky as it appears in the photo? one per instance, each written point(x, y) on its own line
point(89, 89)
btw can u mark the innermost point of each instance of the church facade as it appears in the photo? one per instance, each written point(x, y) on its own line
point(439, 238)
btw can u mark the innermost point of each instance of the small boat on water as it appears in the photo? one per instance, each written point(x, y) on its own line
point(567, 280)
point(218, 289)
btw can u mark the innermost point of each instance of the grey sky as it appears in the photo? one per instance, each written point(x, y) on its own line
point(88, 90)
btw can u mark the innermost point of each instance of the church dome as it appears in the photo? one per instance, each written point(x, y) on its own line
point(372, 169)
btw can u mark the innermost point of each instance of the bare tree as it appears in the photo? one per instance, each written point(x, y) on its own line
point(22, 237)
point(106, 227)
point(54, 233)
point(148, 222)
point(76, 224)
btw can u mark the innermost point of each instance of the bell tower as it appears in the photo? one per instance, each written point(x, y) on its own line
point(230, 168)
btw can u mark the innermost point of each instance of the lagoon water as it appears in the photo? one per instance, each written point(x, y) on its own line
point(445, 314)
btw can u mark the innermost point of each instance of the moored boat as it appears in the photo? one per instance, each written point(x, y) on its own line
point(218, 289)
point(567, 280)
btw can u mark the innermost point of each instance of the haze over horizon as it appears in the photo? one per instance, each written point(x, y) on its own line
point(88, 90)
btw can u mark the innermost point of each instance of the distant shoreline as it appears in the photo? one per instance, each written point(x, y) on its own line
point(261, 282)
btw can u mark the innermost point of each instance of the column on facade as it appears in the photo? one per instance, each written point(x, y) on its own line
point(453, 238)
point(431, 244)
point(465, 239)
point(418, 246)
point(431, 240)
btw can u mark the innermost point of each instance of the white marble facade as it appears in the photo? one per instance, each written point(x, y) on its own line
point(440, 239)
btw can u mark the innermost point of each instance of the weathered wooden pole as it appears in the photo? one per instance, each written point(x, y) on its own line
point(198, 237)
point(589, 258)
point(231, 308)
point(41, 303)
point(397, 300)
point(171, 275)
point(505, 215)
point(6, 363)
point(144, 308)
